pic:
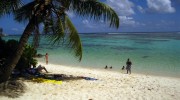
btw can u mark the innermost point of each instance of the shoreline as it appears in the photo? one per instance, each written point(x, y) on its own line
point(114, 70)
point(109, 85)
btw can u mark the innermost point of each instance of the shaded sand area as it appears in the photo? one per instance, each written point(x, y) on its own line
point(109, 86)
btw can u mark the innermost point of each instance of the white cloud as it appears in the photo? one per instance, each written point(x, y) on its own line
point(129, 21)
point(70, 14)
point(161, 6)
point(140, 9)
point(85, 21)
point(122, 7)
point(94, 24)
point(88, 24)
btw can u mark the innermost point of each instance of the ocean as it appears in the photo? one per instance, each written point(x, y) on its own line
point(150, 53)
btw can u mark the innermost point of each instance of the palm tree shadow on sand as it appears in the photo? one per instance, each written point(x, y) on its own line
point(15, 87)
point(60, 77)
point(57, 77)
point(12, 89)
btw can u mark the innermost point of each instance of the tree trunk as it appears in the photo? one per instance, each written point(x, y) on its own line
point(8, 68)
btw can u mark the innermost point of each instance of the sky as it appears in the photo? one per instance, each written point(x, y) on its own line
point(135, 16)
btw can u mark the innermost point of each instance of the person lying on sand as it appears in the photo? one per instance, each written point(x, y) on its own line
point(36, 70)
point(40, 68)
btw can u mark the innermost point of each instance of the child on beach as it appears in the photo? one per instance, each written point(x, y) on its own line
point(46, 58)
point(110, 67)
point(123, 68)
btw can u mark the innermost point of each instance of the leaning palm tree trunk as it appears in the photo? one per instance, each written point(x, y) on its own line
point(49, 11)
point(6, 72)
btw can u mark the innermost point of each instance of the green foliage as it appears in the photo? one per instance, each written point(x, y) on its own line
point(74, 39)
point(11, 47)
point(53, 14)
point(27, 59)
point(9, 6)
point(8, 48)
point(95, 10)
point(2, 45)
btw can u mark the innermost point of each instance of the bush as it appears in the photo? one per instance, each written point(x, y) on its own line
point(27, 59)
point(8, 49)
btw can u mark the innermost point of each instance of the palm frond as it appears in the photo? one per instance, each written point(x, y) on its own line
point(25, 12)
point(57, 31)
point(57, 23)
point(74, 39)
point(9, 6)
point(95, 10)
point(65, 3)
point(48, 24)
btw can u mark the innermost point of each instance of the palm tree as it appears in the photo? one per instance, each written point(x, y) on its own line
point(52, 13)
point(7, 7)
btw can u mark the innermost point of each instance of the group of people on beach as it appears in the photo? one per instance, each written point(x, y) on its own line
point(128, 66)
point(106, 67)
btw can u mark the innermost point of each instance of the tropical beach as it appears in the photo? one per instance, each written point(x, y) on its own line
point(89, 50)
point(150, 80)
point(150, 53)
point(149, 84)
point(108, 86)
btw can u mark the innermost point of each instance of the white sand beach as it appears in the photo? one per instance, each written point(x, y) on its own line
point(109, 86)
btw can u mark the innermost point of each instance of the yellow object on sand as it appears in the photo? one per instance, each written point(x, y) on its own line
point(42, 80)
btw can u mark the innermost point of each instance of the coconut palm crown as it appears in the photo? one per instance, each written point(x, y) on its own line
point(9, 6)
point(53, 14)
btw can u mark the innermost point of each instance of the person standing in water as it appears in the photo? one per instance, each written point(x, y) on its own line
point(46, 58)
point(128, 66)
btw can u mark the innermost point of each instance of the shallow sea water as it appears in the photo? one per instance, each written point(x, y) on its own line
point(150, 53)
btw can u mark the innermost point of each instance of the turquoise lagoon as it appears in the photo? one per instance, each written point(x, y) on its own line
point(150, 53)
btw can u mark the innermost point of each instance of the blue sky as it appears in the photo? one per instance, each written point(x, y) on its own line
point(135, 16)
